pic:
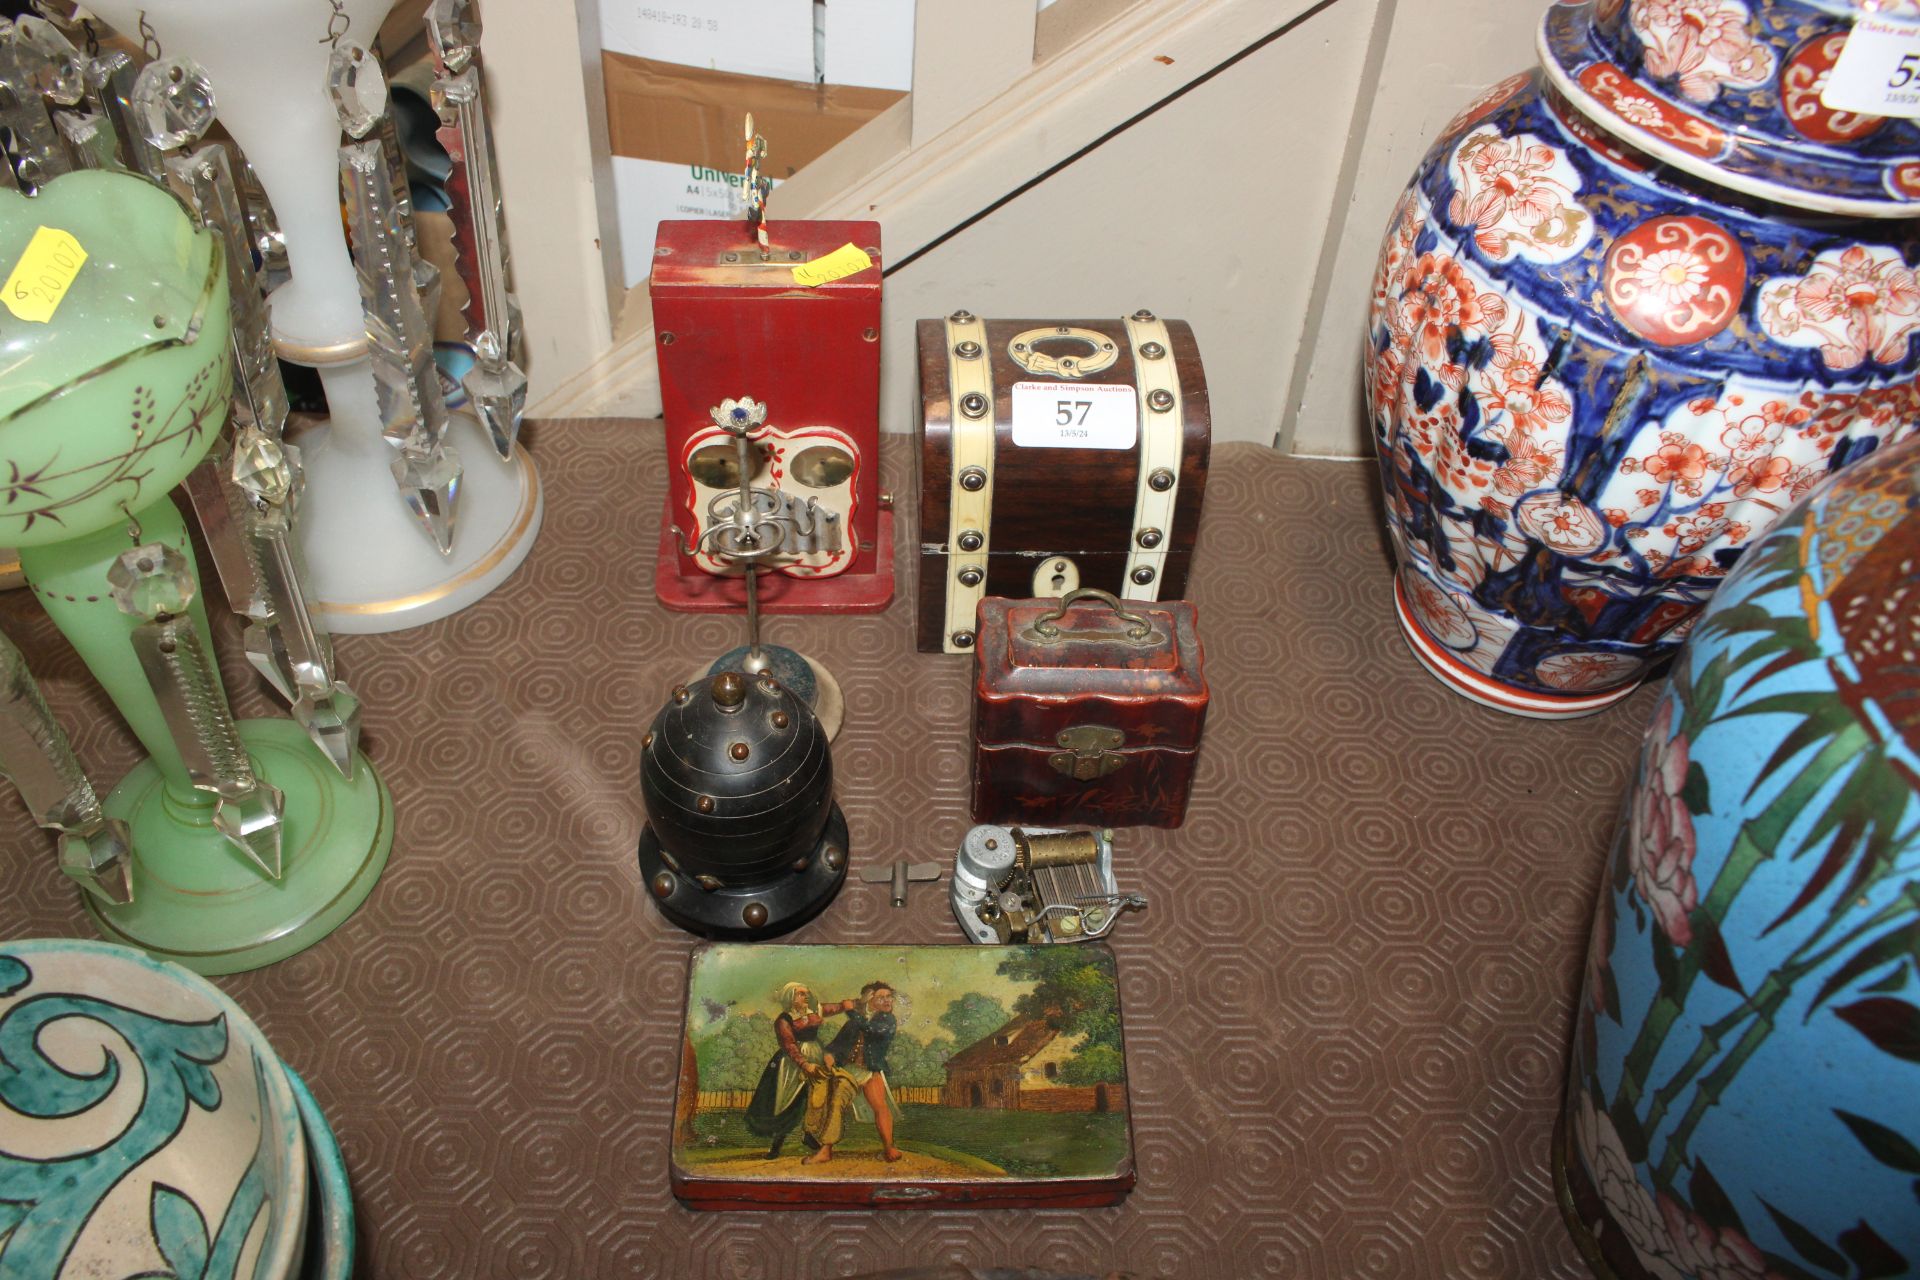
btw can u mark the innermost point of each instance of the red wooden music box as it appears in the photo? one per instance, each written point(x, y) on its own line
point(798, 331)
point(1086, 709)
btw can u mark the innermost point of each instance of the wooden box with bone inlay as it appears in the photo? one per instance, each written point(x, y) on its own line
point(1055, 454)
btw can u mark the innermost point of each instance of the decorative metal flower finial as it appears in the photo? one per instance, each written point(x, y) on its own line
point(739, 416)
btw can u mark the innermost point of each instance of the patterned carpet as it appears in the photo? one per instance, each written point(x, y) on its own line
point(1345, 1008)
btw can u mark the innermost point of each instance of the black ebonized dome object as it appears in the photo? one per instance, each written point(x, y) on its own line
point(743, 839)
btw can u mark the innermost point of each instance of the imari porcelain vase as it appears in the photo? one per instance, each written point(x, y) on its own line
point(1630, 308)
point(1743, 1097)
point(146, 1127)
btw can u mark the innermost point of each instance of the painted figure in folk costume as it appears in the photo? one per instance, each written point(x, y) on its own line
point(857, 1058)
point(809, 1087)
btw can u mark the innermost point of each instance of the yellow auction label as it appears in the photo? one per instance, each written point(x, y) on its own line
point(841, 263)
point(43, 275)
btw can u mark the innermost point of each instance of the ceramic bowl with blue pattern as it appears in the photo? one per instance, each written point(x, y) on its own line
point(146, 1126)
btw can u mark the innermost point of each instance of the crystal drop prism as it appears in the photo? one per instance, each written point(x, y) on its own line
point(152, 581)
point(89, 138)
point(60, 74)
point(430, 486)
point(100, 857)
point(251, 820)
point(173, 102)
point(332, 720)
point(359, 88)
point(426, 283)
point(267, 655)
point(261, 468)
point(499, 396)
point(454, 30)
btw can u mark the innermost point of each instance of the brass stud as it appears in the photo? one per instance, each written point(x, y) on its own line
point(1149, 538)
point(970, 577)
point(729, 257)
point(1161, 480)
point(666, 339)
point(704, 804)
point(835, 856)
point(1153, 351)
point(1143, 575)
point(646, 742)
point(973, 404)
point(663, 885)
point(1143, 315)
point(739, 751)
point(1160, 400)
point(729, 690)
point(709, 883)
point(781, 719)
point(973, 479)
point(961, 317)
point(754, 915)
point(870, 334)
point(963, 639)
point(971, 540)
point(968, 350)
point(680, 693)
point(801, 864)
point(769, 685)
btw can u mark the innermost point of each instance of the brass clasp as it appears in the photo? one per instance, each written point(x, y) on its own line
point(1092, 751)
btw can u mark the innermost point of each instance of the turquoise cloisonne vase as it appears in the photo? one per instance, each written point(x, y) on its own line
point(146, 1127)
point(1630, 308)
point(1743, 1098)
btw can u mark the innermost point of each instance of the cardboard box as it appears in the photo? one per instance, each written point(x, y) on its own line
point(661, 111)
point(869, 44)
point(771, 38)
point(646, 191)
point(677, 139)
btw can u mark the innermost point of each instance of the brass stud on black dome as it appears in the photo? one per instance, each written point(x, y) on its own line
point(729, 690)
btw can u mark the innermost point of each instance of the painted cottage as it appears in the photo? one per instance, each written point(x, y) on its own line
point(1017, 1068)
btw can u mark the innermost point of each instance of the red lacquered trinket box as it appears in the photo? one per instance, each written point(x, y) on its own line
point(1087, 709)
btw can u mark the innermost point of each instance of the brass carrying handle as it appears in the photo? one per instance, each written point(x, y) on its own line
point(1044, 627)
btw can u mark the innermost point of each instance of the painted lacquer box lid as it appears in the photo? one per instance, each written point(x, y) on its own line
point(992, 1077)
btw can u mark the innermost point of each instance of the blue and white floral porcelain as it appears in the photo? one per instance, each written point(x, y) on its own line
point(146, 1128)
point(1594, 376)
point(1743, 1096)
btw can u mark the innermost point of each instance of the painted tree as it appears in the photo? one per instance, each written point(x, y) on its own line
point(973, 1017)
point(912, 1064)
point(1073, 992)
point(733, 1055)
point(1096, 1065)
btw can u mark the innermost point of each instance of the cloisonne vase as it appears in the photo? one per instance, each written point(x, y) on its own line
point(1631, 307)
point(1743, 1098)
